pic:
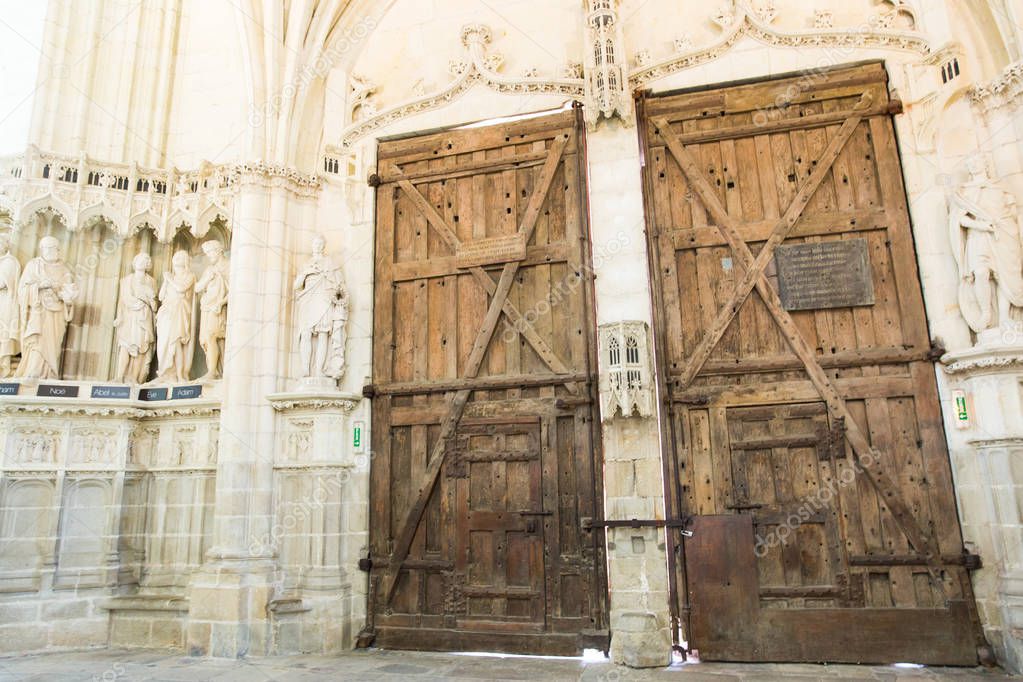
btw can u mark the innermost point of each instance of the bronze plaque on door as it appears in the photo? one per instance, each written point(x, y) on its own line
point(824, 275)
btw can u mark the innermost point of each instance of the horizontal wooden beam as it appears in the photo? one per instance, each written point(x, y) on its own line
point(444, 266)
point(462, 170)
point(816, 225)
point(781, 125)
point(477, 383)
point(867, 357)
point(853, 388)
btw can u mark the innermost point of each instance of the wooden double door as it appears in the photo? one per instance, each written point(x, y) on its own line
point(805, 438)
point(486, 459)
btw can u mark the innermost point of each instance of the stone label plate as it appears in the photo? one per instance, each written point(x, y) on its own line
point(9, 389)
point(491, 250)
point(54, 391)
point(821, 275)
point(119, 392)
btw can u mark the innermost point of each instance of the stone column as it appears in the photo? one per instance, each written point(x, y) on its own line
point(228, 613)
point(987, 458)
point(633, 486)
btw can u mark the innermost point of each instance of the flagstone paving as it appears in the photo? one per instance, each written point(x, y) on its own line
point(155, 666)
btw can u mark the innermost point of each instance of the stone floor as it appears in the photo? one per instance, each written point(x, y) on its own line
point(127, 666)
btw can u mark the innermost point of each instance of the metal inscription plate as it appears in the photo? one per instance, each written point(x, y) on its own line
point(149, 394)
point(824, 275)
point(186, 392)
point(491, 250)
point(118, 392)
point(57, 391)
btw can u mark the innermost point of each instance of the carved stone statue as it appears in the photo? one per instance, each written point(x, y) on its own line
point(986, 242)
point(321, 312)
point(212, 287)
point(10, 322)
point(135, 322)
point(46, 295)
point(174, 342)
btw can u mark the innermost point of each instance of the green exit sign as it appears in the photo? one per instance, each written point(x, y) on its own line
point(961, 408)
point(357, 436)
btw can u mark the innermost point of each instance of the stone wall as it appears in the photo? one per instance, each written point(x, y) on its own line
point(237, 530)
point(100, 499)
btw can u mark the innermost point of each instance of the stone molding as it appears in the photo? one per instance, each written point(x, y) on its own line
point(993, 443)
point(277, 176)
point(1004, 91)
point(122, 409)
point(984, 360)
point(314, 401)
point(757, 26)
point(477, 66)
point(84, 191)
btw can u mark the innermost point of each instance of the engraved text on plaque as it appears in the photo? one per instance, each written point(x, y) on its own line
point(824, 275)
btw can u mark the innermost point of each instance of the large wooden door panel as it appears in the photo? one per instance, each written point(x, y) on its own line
point(806, 437)
point(483, 418)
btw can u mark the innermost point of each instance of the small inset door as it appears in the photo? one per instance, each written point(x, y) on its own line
point(499, 561)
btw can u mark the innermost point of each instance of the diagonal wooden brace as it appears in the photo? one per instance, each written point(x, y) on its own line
point(868, 459)
point(784, 226)
point(499, 302)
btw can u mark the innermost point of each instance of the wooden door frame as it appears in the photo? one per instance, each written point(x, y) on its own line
point(583, 387)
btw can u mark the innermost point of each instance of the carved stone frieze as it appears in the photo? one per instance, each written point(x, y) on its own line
point(286, 402)
point(739, 21)
point(92, 446)
point(34, 445)
point(477, 66)
point(1005, 91)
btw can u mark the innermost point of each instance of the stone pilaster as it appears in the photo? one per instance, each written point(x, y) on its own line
point(987, 459)
point(230, 597)
point(637, 561)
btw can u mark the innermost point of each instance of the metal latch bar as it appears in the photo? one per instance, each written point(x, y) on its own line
point(590, 523)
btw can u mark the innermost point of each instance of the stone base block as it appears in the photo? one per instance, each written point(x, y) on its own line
point(638, 641)
point(148, 622)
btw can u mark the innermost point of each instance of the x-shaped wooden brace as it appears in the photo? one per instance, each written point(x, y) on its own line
point(868, 458)
point(498, 302)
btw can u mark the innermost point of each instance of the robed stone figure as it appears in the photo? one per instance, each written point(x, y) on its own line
point(321, 311)
point(984, 228)
point(174, 321)
point(212, 288)
point(10, 322)
point(136, 322)
point(46, 294)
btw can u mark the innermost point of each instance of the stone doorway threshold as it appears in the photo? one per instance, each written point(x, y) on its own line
point(112, 665)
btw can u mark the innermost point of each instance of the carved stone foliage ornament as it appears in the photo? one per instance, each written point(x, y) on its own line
point(321, 313)
point(626, 384)
point(984, 229)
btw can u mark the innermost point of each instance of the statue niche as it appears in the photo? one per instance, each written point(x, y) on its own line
point(321, 312)
point(985, 231)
